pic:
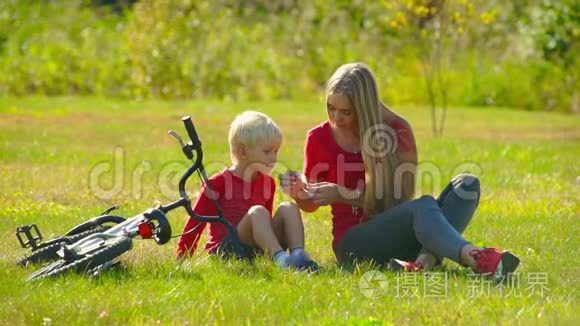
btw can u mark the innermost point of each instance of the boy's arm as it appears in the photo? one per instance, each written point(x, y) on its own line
point(188, 242)
point(203, 206)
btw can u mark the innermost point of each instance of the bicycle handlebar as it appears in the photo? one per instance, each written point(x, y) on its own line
point(191, 131)
point(197, 166)
point(184, 201)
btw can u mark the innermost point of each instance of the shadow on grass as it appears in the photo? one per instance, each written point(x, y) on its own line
point(360, 267)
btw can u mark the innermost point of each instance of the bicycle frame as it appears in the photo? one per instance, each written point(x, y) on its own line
point(128, 228)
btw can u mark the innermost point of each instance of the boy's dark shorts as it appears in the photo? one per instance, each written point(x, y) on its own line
point(226, 249)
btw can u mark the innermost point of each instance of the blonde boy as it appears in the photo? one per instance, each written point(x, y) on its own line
point(245, 193)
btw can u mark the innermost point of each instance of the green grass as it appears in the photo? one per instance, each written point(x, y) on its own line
point(527, 163)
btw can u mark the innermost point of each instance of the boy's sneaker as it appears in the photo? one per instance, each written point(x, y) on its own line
point(495, 263)
point(404, 266)
point(300, 261)
point(281, 258)
point(309, 266)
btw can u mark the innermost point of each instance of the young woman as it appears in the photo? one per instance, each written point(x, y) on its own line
point(362, 162)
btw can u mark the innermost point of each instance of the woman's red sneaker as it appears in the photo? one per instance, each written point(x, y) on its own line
point(404, 266)
point(495, 263)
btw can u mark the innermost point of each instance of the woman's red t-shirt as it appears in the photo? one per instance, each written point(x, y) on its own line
point(325, 160)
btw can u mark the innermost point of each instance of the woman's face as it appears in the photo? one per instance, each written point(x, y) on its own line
point(341, 112)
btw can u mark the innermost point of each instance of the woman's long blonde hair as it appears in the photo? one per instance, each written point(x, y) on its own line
point(357, 82)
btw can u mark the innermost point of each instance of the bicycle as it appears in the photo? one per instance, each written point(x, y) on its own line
point(93, 246)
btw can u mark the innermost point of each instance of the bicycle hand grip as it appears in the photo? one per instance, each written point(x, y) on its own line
point(190, 129)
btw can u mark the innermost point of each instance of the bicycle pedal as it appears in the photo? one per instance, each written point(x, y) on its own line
point(32, 235)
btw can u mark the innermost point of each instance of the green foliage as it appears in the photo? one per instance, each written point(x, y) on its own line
point(268, 50)
point(58, 47)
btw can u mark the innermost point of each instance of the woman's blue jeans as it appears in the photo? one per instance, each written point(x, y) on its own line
point(425, 223)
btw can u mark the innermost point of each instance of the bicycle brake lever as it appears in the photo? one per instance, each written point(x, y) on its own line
point(176, 135)
point(186, 148)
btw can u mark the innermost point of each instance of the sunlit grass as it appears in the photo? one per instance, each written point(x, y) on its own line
point(48, 148)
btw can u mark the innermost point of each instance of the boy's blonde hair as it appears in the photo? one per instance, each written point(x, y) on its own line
point(250, 128)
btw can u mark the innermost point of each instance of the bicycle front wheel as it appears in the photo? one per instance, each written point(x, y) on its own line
point(110, 250)
point(49, 253)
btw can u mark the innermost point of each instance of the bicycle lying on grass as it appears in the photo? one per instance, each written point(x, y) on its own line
point(95, 244)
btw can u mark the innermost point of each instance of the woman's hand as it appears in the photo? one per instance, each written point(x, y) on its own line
point(293, 184)
point(324, 193)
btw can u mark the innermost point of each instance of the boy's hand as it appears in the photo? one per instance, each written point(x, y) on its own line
point(294, 184)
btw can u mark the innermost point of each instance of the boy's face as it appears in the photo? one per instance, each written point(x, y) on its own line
point(263, 155)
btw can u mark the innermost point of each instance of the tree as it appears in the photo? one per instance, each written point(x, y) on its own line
point(438, 27)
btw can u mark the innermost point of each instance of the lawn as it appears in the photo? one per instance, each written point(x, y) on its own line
point(63, 160)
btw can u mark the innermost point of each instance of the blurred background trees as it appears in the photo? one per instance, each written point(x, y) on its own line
point(518, 53)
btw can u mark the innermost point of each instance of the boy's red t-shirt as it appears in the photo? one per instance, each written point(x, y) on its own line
point(235, 197)
point(325, 160)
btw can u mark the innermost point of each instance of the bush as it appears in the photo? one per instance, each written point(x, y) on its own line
point(252, 50)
